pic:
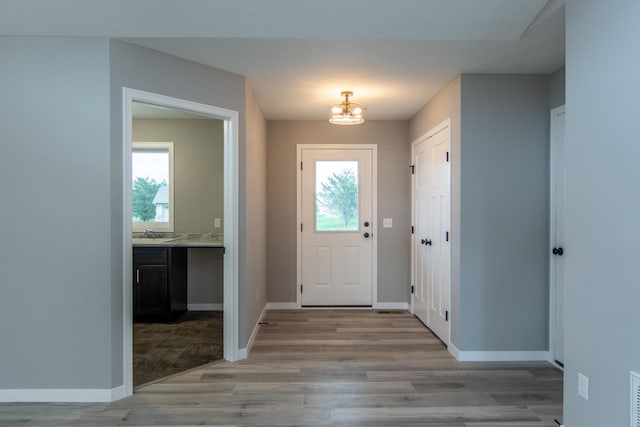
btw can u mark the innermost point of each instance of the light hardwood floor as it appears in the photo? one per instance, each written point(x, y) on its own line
point(331, 368)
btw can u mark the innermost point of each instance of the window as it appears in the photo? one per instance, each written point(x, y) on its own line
point(336, 195)
point(152, 186)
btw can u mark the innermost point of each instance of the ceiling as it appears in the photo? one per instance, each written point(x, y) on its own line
point(298, 55)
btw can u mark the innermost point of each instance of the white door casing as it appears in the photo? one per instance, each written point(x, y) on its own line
point(557, 218)
point(232, 352)
point(336, 267)
point(432, 228)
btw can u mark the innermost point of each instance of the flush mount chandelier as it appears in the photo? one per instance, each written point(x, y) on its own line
point(347, 112)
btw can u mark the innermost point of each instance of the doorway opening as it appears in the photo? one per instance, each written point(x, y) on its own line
point(229, 120)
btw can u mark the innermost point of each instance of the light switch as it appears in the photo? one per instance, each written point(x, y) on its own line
point(216, 222)
point(583, 386)
point(387, 222)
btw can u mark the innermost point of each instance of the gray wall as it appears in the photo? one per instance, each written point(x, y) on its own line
point(199, 197)
point(198, 169)
point(446, 105)
point(393, 200)
point(55, 214)
point(499, 198)
point(152, 71)
point(504, 216)
point(61, 273)
point(602, 176)
point(255, 243)
point(557, 88)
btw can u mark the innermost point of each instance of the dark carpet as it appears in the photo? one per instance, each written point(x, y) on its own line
point(162, 349)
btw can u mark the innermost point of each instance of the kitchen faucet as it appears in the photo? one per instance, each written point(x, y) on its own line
point(150, 233)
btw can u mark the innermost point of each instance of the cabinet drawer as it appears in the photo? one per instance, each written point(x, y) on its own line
point(150, 256)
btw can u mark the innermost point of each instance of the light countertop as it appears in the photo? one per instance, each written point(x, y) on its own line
point(183, 240)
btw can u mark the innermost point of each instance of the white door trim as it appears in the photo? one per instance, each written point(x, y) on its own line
point(374, 219)
point(555, 113)
point(433, 131)
point(230, 316)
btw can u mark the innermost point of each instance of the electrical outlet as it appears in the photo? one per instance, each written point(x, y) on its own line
point(583, 386)
point(216, 222)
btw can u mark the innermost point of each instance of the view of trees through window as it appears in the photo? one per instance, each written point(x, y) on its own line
point(151, 184)
point(336, 195)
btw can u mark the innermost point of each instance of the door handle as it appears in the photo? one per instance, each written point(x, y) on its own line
point(425, 242)
point(557, 251)
point(366, 235)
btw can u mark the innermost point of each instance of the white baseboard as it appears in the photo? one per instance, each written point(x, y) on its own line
point(453, 350)
point(377, 306)
point(243, 353)
point(498, 356)
point(205, 307)
point(281, 306)
point(252, 338)
point(391, 306)
point(62, 395)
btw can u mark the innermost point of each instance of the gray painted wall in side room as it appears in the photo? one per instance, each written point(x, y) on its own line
point(198, 168)
point(602, 176)
point(557, 88)
point(504, 216)
point(145, 69)
point(446, 105)
point(393, 200)
point(55, 227)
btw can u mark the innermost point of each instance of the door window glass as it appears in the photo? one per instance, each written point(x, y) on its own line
point(336, 187)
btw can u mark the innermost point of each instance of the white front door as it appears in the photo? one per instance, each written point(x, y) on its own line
point(557, 230)
point(337, 226)
point(432, 240)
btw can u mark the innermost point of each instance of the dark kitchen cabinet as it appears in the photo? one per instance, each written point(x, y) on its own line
point(159, 283)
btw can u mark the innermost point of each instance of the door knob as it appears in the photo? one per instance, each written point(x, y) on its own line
point(557, 251)
point(425, 242)
point(366, 235)
point(366, 223)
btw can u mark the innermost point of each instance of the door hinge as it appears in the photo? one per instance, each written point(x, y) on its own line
point(300, 287)
point(413, 169)
point(446, 315)
point(412, 229)
point(300, 165)
point(300, 227)
point(446, 236)
point(413, 289)
point(447, 156)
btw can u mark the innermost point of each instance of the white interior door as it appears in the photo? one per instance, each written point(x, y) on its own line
point(557, 229)
point(432, 247)
point(422, 258)
point(337, 228)
point(440, 277)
